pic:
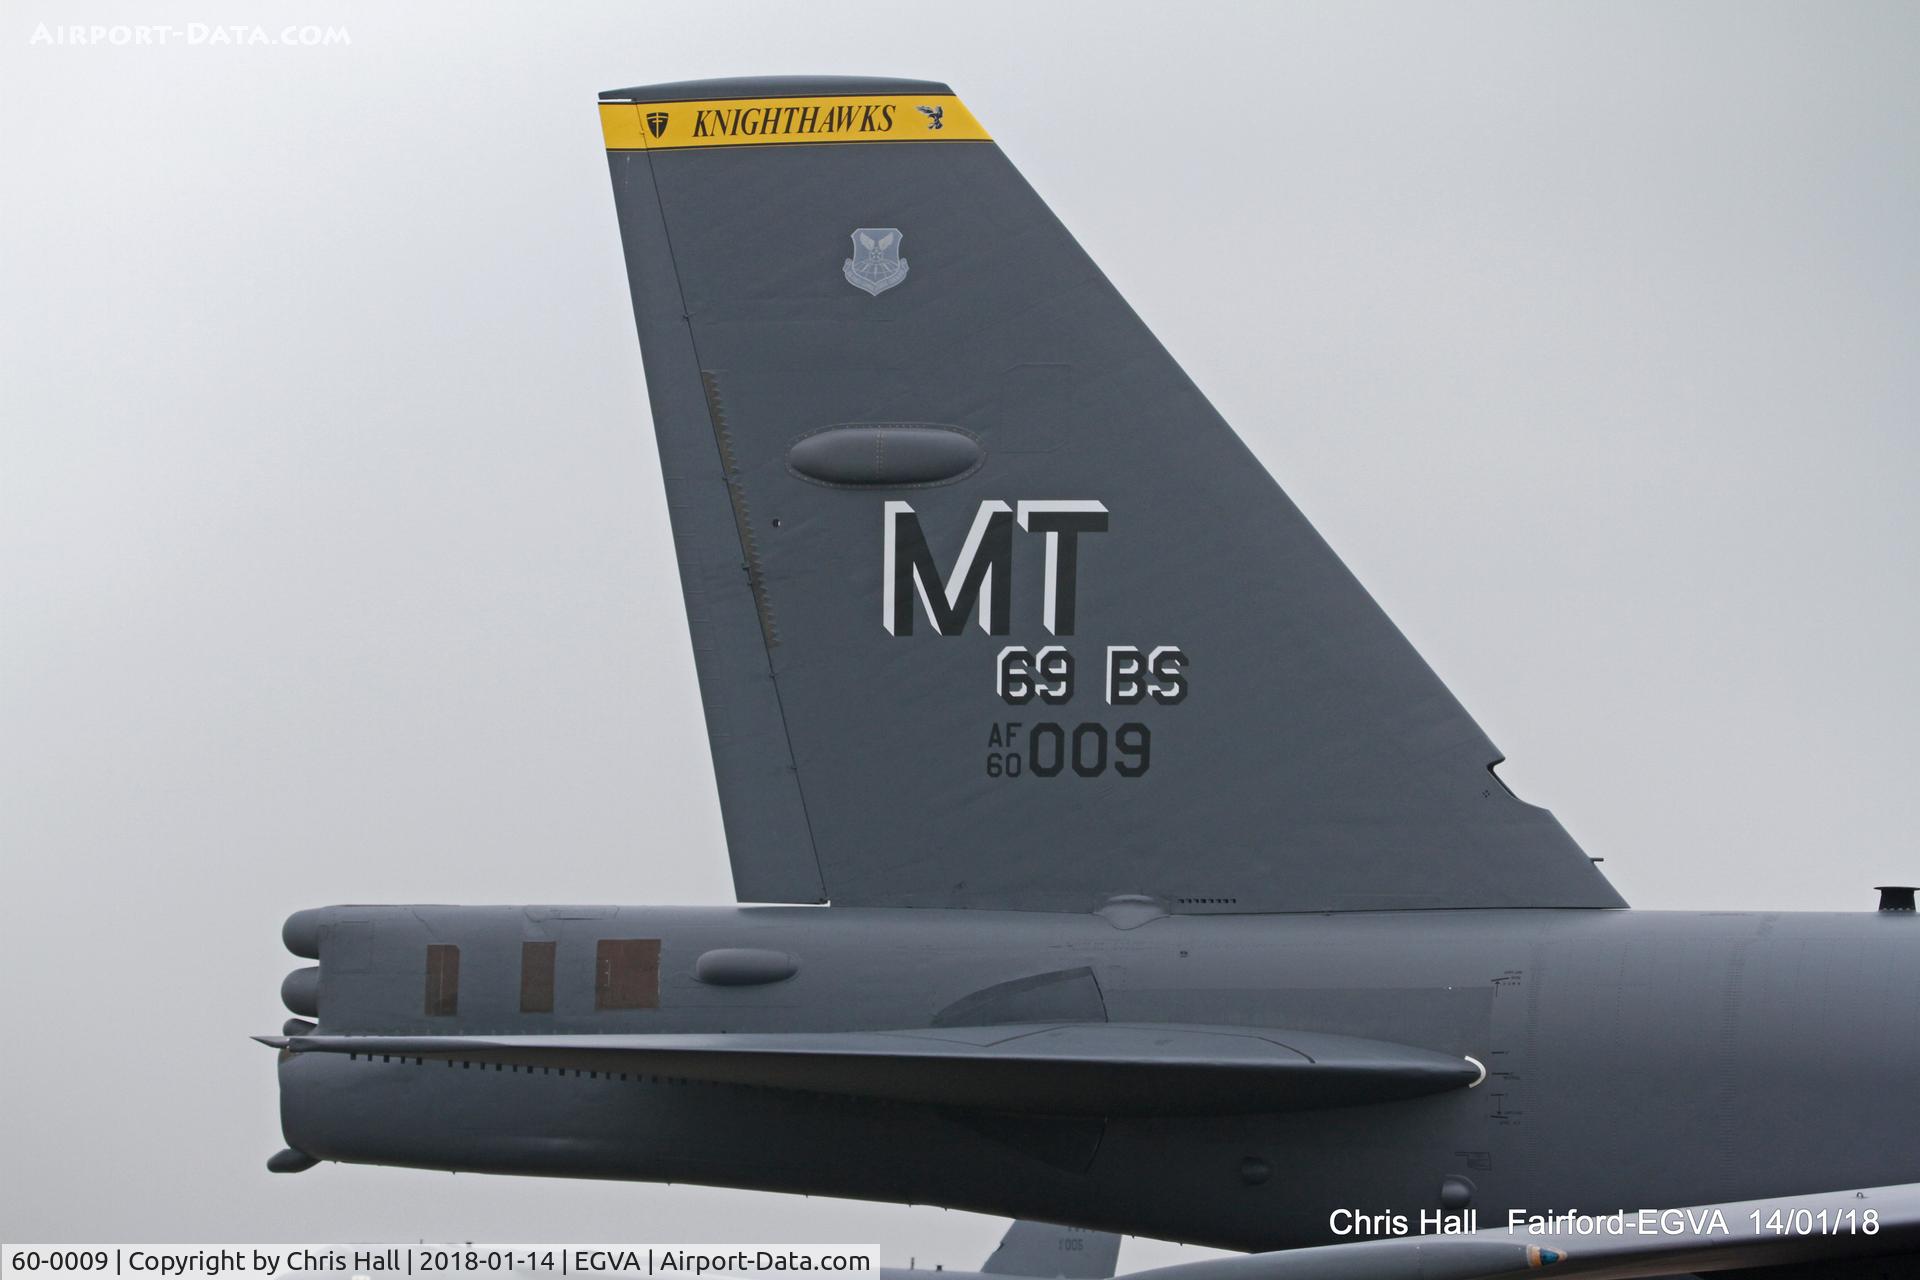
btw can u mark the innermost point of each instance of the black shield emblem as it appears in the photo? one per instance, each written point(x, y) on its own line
point(656, 123)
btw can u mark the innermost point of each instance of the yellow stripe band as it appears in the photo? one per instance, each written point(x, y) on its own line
point(750, 122)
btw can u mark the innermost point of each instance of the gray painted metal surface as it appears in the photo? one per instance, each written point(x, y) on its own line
point(1636, 1058)
point(1080, 1069)
point(1313, 761)
point(858, 646)
point(770, 86)
point(1040, 1250)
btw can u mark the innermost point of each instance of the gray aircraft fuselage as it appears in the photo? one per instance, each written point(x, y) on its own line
point(995, 618)
point(1635, 1058)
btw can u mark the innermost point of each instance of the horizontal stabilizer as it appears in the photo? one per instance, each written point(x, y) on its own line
point(1108, 1069)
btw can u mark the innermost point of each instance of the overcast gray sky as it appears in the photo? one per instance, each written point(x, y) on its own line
point(336, 567)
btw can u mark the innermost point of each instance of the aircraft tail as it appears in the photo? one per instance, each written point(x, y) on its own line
point(990, 608)
point(1047, 1252)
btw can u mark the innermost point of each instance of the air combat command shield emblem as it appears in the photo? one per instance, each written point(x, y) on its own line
point(876, 264)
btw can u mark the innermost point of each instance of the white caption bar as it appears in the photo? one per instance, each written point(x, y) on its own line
point(436, 1261)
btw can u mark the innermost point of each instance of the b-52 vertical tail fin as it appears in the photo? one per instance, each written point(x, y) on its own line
point(1042, 1250)
point(990, 608)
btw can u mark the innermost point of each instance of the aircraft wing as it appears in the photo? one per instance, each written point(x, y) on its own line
point(1832, 1228)
point(1108, 1069)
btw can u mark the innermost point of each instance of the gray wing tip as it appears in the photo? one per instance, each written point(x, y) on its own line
point(770, 87)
